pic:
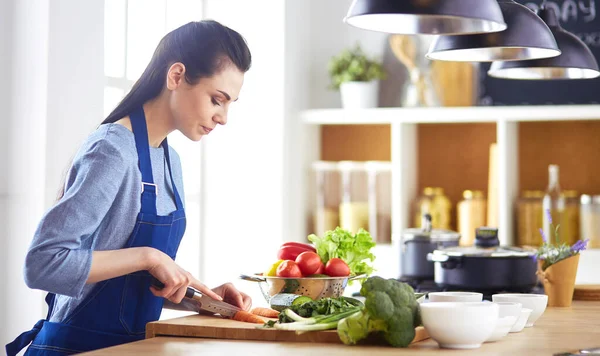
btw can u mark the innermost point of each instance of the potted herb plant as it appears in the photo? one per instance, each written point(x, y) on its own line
point(357, 77)
point(557, 266)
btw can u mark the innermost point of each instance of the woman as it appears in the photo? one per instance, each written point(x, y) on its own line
point(121, 217)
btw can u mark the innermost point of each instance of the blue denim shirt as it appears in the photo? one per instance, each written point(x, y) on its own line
point(97, 212)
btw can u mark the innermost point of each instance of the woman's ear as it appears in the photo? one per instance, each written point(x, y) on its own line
point(175, 76)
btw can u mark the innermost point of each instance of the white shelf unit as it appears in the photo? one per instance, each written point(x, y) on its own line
point(404, 146)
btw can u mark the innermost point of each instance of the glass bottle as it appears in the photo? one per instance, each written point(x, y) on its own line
point(554, 202)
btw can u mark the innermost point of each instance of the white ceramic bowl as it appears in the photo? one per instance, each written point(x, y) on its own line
point(502, 329)
point(459, 325)
point(520, 324)
point(455, 297)
point(536, 302)
point(510, 309)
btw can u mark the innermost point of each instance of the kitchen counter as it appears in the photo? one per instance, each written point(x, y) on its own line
point(558, 330)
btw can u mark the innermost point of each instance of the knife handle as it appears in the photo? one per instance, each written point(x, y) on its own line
point(189, 293)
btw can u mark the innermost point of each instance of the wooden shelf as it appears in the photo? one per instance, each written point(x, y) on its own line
point(436, 115)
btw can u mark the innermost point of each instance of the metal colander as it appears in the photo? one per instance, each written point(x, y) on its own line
point(313, 287)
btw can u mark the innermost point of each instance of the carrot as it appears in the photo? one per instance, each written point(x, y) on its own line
point(266, 312)
point(247, 317)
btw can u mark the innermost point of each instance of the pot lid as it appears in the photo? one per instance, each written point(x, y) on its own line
point(426, 233)
point(474, 251)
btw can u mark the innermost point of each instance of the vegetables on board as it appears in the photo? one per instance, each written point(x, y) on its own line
point(390, 315)
point(321, 307)
point(248, 317)
point(265, 312)
point(283, 301)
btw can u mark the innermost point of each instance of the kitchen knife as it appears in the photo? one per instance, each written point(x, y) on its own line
point(206, 303)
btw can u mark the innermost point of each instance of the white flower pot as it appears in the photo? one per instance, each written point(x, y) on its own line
point(359, 95)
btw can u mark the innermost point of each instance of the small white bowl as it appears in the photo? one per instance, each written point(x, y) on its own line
point(536, 302)
point(455, 297)
point(520, 324)
point(502, 328)
point(459, 325)
point(510, 309)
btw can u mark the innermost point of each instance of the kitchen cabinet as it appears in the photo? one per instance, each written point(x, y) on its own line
point(557, 330)
point(449, 147)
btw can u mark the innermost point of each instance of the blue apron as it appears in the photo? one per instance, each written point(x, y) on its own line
point(116, 310)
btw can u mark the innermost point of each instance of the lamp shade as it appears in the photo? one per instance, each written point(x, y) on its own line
point(576, 61)
point(426, 16)
point(526, 37)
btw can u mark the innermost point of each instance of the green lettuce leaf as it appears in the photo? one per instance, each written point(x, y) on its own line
point(355, 250)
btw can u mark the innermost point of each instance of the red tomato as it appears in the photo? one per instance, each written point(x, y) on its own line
point(288, 269)
point(336, 267)
point(321, 269)
point(307, 247)
point(309, 262)
point(289, 252)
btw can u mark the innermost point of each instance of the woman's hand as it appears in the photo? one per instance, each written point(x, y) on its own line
point(233, 296)
point(175, 279)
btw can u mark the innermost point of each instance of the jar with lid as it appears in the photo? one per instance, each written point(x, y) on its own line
point(471, 214)
point(354, 206)
point(435, 203)
point(379, 196)
point(590, 219)
point(328, 198)
point(569, 223)
point(530, 213)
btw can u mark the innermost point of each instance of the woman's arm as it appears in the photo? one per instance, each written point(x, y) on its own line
point(116, 263)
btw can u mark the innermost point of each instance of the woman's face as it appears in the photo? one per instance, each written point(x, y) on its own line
point(197, 109)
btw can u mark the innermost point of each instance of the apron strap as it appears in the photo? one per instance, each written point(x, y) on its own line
point(27, 337)
point(178, 202)
point(140, 132)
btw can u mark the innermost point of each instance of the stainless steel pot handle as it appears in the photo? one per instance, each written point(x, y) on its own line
point(252, 279)
point(447, 262)
point(437, 258)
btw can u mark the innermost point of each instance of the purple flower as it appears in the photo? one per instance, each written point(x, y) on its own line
point(544, 237)
point(579, 245)
point(549, 216)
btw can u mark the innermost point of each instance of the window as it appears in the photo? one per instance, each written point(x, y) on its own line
point(132, 30)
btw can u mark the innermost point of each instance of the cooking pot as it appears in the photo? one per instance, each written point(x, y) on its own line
point(485, 266)
point(417, 243)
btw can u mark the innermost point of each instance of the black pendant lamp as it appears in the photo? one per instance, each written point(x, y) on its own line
point(526, 37)
point(426, 16)
point(575, 62)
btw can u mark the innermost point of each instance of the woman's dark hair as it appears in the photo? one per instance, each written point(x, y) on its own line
point(204, 47)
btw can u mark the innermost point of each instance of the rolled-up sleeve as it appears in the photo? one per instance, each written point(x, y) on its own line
point(56, 261)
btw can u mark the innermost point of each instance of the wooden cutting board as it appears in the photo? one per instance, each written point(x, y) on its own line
point(217, 328)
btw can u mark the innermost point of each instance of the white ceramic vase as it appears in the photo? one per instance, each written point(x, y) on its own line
point(359, 95)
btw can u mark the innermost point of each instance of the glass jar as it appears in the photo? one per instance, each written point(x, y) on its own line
point(354, 206)
point(435, 203)
point(328, 183)
point(530, 218)
point(380, 204)
point(471, 214)
point(569, 225)
point(590, 220)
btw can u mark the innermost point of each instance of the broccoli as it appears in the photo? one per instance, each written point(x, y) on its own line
point(390, 315)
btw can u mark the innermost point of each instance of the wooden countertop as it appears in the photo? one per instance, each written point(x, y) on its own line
point(558, 330)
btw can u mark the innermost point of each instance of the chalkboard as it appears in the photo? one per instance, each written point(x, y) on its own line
point(579, 17)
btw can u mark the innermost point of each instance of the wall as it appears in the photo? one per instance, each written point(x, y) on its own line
point(243, 160)
point(5, 104)
point(329, 35)
point(56, 101)
point(26, 169)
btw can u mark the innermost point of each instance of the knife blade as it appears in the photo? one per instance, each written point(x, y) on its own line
point(206, 303)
